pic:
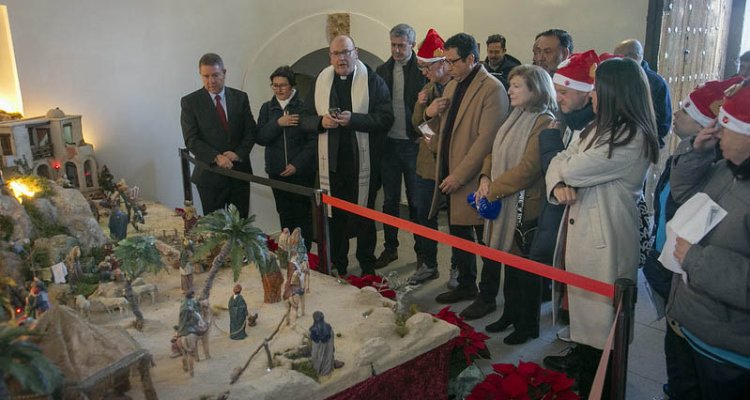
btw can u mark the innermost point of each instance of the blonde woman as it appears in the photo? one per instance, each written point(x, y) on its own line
point(512, 173)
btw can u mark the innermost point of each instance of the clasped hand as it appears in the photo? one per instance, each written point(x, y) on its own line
point(484, 188)
point(341, 119)
point(564, 193)
point(226, 159)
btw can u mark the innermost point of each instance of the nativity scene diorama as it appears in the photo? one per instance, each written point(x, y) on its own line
point(169, 296)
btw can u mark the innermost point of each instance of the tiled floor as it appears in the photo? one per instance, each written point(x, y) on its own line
point(646, 369)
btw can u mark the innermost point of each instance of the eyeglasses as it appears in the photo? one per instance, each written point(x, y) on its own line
point(280, 85)
point(345, 53)
point(426, 67)
point(454, 61)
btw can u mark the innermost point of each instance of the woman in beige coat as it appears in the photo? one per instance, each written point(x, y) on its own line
point(599, 177)
point(515, 177)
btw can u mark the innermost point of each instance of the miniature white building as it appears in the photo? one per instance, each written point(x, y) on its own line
point(53, 147)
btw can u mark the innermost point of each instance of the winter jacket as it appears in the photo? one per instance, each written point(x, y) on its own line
point(286, 145)
point(714, 305)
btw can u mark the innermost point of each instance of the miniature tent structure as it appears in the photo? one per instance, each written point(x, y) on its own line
point(92, 358)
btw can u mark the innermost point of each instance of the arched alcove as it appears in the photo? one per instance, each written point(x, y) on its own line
point(44, 171)
point(90, 173)
point(71, 172)
point(305, 38)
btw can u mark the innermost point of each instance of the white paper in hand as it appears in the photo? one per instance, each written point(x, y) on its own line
point(692, 221)
point(427, 132)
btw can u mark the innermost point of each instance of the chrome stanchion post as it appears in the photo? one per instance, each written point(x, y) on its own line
point(321, 231)
point(625, 294)
point(187, 187)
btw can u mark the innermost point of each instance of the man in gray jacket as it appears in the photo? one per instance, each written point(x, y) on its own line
point(710, 310)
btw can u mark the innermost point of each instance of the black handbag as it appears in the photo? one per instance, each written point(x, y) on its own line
point(524, 234)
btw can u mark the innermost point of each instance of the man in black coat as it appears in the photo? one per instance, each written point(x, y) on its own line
point(399, 161)
point(353, 114)
point(662, 101)
point(219, 129)
point(498, 62)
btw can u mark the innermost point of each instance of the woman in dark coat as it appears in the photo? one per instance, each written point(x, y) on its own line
point(290, 151)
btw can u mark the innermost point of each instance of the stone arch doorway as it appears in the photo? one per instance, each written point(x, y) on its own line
point(43, 170)
point(307, 36)
point(71, 172)
point(90, 173)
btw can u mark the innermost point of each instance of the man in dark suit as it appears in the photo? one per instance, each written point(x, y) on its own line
point(219, 129)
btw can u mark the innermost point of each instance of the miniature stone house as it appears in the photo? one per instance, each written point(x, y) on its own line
point(52, 147)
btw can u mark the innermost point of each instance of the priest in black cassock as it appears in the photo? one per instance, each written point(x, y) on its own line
point(354, 114)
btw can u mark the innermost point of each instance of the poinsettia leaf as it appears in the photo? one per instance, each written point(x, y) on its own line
point(515, 385)
point(504, 369)
point(528, 369)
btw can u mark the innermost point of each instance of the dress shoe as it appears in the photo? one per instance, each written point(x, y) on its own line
point(478, 309)
point(454, 296)
point(500, 325)
point(520, 336)
point(568, 363)
point(385, 258)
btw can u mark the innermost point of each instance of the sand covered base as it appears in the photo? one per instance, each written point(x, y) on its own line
point(365, 344)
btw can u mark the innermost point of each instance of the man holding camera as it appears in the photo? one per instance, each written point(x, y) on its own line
point(354, 112)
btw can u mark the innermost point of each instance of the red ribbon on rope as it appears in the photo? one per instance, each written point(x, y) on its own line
point(537, 268)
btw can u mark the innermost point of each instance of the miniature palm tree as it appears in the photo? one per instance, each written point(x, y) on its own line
point(137, 255)
point(25, 363)
point(238, 239)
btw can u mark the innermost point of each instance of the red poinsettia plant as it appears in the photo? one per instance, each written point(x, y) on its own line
point(528, 381)
point(375, 281)
point(471, 341)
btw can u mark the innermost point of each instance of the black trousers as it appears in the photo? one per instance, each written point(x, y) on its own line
point(522, 292)
point(344, 225)
point(295, 211)
point(215, 198)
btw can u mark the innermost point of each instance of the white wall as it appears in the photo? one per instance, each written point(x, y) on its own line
point(125, 65)
point(594, 24)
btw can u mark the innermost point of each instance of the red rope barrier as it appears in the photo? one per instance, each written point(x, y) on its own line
point(537, 268)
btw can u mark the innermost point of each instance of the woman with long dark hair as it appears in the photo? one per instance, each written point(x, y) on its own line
point(599, 177)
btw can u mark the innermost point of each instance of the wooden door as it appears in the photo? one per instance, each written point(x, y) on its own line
point(693, 42)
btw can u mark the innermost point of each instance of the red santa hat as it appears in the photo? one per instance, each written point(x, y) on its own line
point(578, 71)
point(735, 112)
point(703, 103)
point(432, 48)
